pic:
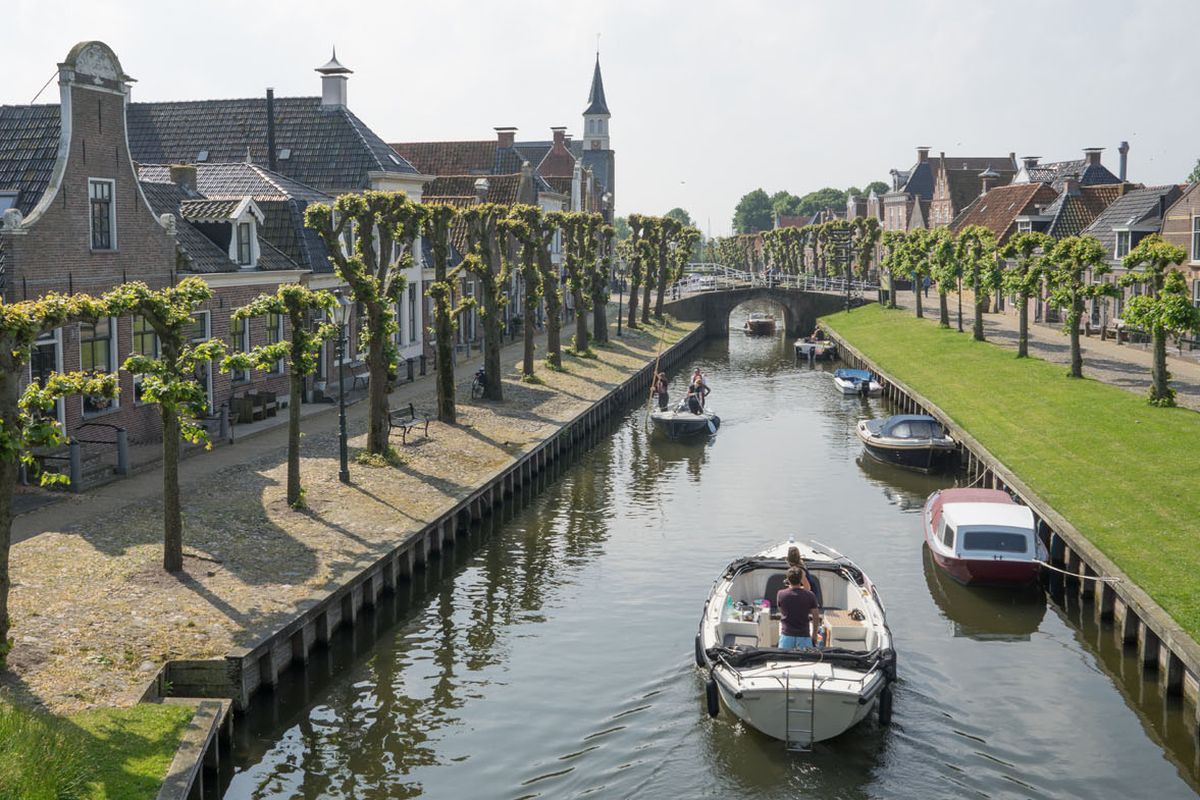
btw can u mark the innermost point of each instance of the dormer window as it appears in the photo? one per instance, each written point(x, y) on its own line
point(245, 235)
point(1123, 240)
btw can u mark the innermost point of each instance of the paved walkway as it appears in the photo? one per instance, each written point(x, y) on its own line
point(1125, 365)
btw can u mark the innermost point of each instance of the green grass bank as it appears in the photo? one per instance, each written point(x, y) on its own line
point(1121, 471)
point(105, 754)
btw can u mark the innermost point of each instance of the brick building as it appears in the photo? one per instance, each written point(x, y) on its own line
point(1181, 226)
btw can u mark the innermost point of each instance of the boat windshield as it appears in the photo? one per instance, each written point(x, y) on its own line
point(916, 429)
point(996, 541)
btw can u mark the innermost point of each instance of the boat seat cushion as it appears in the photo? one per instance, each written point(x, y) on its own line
point(739, 640)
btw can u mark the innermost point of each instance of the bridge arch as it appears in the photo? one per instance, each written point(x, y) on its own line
point(801, 308)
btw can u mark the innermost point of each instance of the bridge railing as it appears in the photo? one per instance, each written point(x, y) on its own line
point(716, 277)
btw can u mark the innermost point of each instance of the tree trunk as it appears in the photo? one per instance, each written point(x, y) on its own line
point(530, 310)
point(977, 329)
point(377, 368)
point(599, 319)
point(553, 298)
point(1022, 327)
point(634, 286)
point(1160, 391)
point(8, 484)
point(1073, 317)
point(917, 295)
point(172, 518)
point(646, 302)
point(891, 303)
point(443, 342)
point(943, 309)
point(581, 322)
point(492, 333)
point(293, 456)
point(662, 285)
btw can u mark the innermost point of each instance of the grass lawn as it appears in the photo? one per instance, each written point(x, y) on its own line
point(105, 754)
point(1121, 471)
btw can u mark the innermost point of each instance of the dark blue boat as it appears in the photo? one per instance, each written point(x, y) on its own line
point(914, 441)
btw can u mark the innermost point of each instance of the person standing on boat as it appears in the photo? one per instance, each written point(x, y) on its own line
point(699, 385)
point(800, 614)
point(660, 389)
point(794, 561)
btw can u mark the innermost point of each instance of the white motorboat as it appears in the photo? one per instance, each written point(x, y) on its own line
point(680, 421)
point(798, 696)
point(856, 381)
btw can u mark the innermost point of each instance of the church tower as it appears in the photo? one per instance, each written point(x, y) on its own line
point(595, 117)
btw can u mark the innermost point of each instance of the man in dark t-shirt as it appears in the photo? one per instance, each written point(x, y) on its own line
point(798, 610)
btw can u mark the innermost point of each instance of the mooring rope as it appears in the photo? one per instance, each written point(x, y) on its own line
point(1080, 576)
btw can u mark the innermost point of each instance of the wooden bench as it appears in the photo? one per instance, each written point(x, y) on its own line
point(249, 406)
point(406, 419)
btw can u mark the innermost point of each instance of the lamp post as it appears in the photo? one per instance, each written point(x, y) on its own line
point(341, 315)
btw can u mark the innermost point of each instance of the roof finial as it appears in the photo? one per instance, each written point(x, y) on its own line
point(597, 47)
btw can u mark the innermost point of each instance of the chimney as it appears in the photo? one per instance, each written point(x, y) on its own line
point(1124, 151)
point(481, 190)
point(271, 129)
point(1012, 159)
point(1029, 162)
point(1092, 155)
point(922, 154)
point(184, 176)
point(988, 178)
point(505, 137)
point(333, 83)
point(560, 137)
point(1071, 186)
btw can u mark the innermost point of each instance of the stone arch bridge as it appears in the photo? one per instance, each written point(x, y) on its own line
point(800, 307)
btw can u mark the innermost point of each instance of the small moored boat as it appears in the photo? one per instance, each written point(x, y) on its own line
point(816, 349)
point(856, 381)
point(915, 441)
point(759, 324)
point(981, 536)
point(806, 695)
point(680, 421)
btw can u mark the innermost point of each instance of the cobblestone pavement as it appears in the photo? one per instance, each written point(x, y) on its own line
point(94, 614)
point(1125, 365)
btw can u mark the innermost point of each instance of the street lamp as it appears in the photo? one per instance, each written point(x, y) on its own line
point(341, 315)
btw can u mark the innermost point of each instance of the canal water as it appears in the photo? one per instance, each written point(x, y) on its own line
point(550, 654)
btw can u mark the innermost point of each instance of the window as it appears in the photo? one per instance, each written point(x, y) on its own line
point(44, 361)
point(948, 536)
point(239, 336)
point(96, 355)
point(245, 256)
point(412, 313)
point(1122, 244)
point(1024, 226)
point(100, 195)
point(274, 336)
point(145, 343)
point(7, 200)
point(1195, 235)
point(197, 333)
point(996, 541)
point(1196, 293)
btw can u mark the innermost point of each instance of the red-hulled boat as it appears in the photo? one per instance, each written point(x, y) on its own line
point(981, 536)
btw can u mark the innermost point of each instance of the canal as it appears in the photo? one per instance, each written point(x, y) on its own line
point(550, 653)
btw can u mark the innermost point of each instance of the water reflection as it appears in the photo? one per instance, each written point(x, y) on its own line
point(905, 489)
point(985, 613)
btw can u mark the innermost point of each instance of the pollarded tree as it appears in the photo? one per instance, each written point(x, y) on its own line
point(654, 237)
point(523, 223)
point(27, 415)
point(917, 263)
point(1071, 261)
point(1163, 309)
point(636, 264)
point(671, 244)
point(445, 312)
point(491, 272)
point(545, 230)
point(946, 271)
point(578, 234)
point(598, 283)
point(301, 351)
point(894, 261)
point(1023, 279)
point(381, 228)
point(976, 252)
point(867, 231)
point(169, 380)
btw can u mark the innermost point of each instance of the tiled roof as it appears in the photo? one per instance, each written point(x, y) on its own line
point(501, 189)
point(965, 184)
point(329, 148)
point(921, 179)
point(1137, 207)
point(559, 185)
point(558, 163)
point(1075, 210)
point(28, 149)
point(999, 208)
point(533, 152)
point(450, 158)
point(202, 254)
point(1056, 173)
point(208, 210)
point(798, 221)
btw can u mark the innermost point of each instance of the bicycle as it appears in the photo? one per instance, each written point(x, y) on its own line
point(478, 384)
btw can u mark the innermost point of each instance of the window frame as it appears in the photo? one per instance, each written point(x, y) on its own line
point(238, 377)
point(1117, 254)
point(205, 319)
point(274, 336)
point(948, 535)
point(134, 335)
point(111, 185)
point(245, 246)
point(55, 339)
point(412, 313)
point(115, 402)
point(1196, 238)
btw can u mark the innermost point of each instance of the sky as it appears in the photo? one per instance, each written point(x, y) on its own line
point(709, 99)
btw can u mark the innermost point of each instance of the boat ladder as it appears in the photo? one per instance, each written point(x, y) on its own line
point(800, 710)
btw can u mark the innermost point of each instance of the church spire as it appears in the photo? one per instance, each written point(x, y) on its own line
point(596, 102)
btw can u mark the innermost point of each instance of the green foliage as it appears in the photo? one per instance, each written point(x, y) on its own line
point(878, 187)
point(41, 757)
point(822, 199)
point(389, 458)
point(624, 231)
point(1194, 175)
point(785, 203)
point(1027, 250)
point(303, 349)
point(679, 215)
point(753, 213)
point(1070, 262)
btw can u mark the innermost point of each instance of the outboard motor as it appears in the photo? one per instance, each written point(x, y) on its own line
point(864, 387)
